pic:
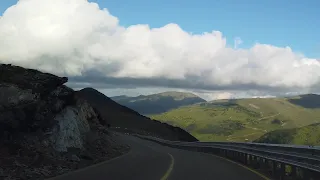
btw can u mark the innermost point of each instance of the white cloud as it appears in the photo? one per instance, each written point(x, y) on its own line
point(71, 37)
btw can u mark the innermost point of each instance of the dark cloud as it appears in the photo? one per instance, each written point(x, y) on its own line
point(111, 82)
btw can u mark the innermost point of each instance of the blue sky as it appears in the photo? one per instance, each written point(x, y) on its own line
point(278, 22)
point(281, 23)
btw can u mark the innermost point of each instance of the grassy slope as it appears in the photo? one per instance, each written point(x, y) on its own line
point(307, 135)
point(240, 119)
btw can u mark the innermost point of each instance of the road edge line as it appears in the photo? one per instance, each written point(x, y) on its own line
point(246, 167)
point(168, 172)
point(253, 171)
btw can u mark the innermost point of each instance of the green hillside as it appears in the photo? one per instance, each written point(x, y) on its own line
point(307, 135)
point(158, 103)
point(243, 119)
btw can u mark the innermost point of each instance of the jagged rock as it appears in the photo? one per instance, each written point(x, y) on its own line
point(13, 97)
point(67, 133)
point(73, 122)
point(8, 119)
point(62, 91)
point(40, 120)
point(75, 158)
point(35, 80)
point(86, 155)
point(1, 172)
point(29, 99)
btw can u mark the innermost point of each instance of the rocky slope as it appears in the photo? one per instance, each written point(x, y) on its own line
point(123, 117)
point(46, 129)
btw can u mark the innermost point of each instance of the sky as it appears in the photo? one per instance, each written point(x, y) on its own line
point(215, 49)
point(277, 22)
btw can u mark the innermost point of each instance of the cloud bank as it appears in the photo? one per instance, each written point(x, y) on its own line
point(77, 38)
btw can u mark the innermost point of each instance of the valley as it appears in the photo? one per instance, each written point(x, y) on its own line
point(243, 120)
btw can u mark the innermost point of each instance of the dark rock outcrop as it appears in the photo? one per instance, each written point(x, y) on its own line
point(120, 116)
point(30, 99)
point(45, 128)
point(30, 79)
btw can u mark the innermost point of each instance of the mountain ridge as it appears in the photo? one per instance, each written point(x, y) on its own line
point(117, 115)
point(158, 103)
point(243, 119)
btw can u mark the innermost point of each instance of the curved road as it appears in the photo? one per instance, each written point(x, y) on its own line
point(151, 161)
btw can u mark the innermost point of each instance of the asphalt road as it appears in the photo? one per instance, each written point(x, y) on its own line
point(151, 161)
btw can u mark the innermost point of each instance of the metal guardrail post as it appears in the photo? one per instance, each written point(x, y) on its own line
point(274, 168)
point(255, 162)
point(282, 171)
point(263, 164)
point(306, 174)
point(239, 155)
point(251, 160)
point(293, 172)
point(258, 161)
point(245, 158)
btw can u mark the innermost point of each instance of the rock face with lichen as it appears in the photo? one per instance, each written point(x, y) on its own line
point(44, 125)
point(32, 101)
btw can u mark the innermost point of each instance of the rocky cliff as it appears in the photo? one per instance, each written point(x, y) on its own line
point(45, 128)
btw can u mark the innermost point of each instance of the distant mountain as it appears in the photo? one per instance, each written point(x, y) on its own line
point(307, 135)
point(117, 115)
point(118, 98)
point(306, 101)
point(244, 119)
point(158, 103)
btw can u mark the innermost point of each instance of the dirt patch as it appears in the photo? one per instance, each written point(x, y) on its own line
point(254, 106)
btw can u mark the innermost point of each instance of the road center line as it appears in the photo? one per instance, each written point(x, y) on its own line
point(167, 174)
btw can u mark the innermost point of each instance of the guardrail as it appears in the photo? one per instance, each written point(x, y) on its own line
point(277, 161)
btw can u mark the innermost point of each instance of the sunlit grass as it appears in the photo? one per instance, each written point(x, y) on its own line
point(257, 116)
